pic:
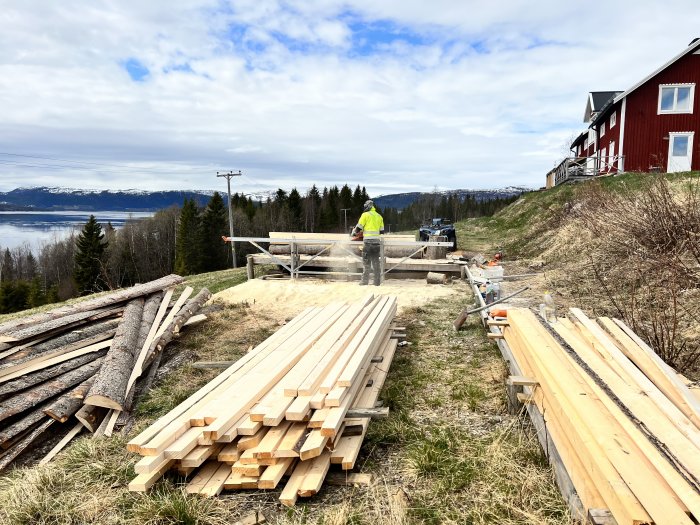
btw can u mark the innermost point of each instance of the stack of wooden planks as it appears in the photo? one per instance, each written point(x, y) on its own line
point(625, 424)
point(297, 403)
point(83, 360)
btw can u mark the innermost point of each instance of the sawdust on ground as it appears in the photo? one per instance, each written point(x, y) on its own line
point(286, 298)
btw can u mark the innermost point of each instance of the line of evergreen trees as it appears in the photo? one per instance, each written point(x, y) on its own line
point(187, 240)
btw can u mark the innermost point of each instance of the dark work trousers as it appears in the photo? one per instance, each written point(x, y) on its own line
point(370, 261)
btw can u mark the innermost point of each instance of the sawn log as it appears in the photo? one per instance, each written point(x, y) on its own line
point(109, 387)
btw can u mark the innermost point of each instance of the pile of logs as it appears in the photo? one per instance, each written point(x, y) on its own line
point(297, 403)
point(83, 361)
point(625, 424)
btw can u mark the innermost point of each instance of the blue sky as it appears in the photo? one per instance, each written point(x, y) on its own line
point(394, 95)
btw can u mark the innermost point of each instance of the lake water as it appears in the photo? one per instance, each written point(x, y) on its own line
point(40, 227)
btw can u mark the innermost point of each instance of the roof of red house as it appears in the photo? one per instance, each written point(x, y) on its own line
point(603, 111)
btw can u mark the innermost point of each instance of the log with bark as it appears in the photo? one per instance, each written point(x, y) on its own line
point(59, 325)
point(7, 435)
point(150, 310)
point(155, 351)
point(437, 278)
point(114, 298)
point(109, 388)
point(29, 380)
point(78, 338)
point(47, 390)
point(21, 445)
point(69, 403)
point(173, 328)
point(91, 416)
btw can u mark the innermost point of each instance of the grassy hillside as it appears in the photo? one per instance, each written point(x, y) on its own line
point(627, 246)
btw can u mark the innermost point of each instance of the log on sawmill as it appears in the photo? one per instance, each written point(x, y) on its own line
point(109, 387)
point(315, 249)
point(111, 299)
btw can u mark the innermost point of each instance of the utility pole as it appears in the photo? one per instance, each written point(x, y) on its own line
point(230, 210)
point(345, 211)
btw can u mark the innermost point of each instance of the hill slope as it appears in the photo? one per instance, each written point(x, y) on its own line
point(623, 246)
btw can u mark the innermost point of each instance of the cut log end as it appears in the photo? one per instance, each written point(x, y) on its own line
point(102, 401)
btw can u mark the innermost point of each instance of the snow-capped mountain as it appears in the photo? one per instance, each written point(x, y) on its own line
point(401, 200)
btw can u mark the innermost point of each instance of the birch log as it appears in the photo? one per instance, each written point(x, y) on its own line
point(109, 388)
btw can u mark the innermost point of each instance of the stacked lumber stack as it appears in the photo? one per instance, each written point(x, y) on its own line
point(83, 360)
point(625, 424)
point(297, 403)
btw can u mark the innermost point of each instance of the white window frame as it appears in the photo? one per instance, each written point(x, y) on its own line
point(602, 129)
point(613, 119)
point(691, 139)
point(585, 144)
point(675, 111)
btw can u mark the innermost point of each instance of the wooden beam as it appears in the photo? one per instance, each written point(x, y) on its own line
point(62, 444)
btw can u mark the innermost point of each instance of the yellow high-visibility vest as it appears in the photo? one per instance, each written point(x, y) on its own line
point(371, 224)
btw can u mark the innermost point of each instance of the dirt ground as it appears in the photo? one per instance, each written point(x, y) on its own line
point(286, 298)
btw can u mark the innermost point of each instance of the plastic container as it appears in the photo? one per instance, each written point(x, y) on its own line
point(548, 310)
point(491, 272)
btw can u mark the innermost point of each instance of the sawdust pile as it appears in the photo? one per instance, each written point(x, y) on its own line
point(285, 298)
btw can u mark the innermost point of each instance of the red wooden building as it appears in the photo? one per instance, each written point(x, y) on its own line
point(652, 126)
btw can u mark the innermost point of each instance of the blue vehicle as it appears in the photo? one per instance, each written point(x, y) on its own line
point(439, 226)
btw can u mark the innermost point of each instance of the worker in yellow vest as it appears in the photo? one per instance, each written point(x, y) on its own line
point(371, 224)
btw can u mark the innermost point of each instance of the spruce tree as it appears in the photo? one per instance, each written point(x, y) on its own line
point(295, 209)
point(215, 253)
point(89, 258)
point(188, 248)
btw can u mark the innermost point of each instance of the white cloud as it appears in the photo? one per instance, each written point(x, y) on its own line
point(392, 95)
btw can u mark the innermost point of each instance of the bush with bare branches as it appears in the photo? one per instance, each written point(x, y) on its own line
point(644, 254)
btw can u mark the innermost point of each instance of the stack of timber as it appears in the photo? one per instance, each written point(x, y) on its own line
point(284, 247)
point(297, 403)
point(625, 425)
point(82, 361)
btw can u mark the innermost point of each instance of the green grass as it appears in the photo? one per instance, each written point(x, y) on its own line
point(215, 281)
point(520, 229)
